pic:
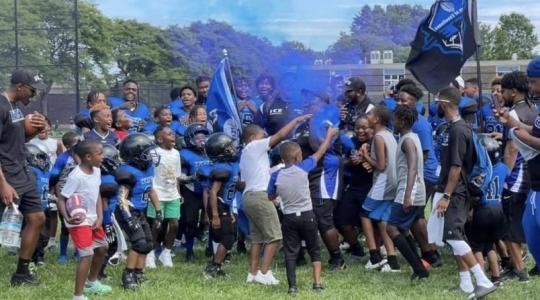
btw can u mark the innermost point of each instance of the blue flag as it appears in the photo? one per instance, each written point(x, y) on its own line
point(444, 41)
point(221, 105)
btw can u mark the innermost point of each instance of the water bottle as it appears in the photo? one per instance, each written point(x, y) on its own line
point(10, 227)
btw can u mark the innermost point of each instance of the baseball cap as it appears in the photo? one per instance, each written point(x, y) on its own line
point(21, 76)
point(355, 84)
point(459, 80)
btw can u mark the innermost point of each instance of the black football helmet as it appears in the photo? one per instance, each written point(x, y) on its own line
point(37, 157)
point(139, 151)
point(191, 132)
point(111, 159)
point(220, 147)
point(493, 148)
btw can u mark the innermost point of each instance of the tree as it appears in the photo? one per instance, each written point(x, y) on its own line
point(514, 34)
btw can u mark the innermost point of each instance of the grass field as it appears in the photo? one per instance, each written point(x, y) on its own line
point(185, 280)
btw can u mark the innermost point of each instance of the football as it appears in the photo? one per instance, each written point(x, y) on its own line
point(76, 207)
point(30, 130)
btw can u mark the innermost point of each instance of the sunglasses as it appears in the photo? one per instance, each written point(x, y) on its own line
point(32, 91)
point(442, 100)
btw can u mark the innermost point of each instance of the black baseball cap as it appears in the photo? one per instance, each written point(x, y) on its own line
point(21, 76)
point(355, 84)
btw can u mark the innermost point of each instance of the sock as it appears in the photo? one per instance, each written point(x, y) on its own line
point(291, 272)
point(412, 244)
point(52, 240)
point(81, 297)
point(138, 271)
point(128, 270)
point(481, 278)
point(357, 250)
point(392, 261)
point(63, 245)
point(413, 260)
point(335, 254)
point(189, 244)
point(465, 282)
point(22, 266)
point(374, 256)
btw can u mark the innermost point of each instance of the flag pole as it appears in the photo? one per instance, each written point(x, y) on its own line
point(228, 66)
point(478, 39)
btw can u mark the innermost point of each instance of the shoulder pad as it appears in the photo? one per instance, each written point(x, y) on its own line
point(108, 190)
point(124, 177)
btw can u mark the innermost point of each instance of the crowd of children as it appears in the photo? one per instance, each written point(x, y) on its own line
point(174, 182)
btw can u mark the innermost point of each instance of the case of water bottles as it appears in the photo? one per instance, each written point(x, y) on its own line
point(10, 227)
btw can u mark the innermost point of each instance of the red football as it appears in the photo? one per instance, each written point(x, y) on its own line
point(76, 208)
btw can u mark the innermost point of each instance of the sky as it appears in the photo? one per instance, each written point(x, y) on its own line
point(316, 23)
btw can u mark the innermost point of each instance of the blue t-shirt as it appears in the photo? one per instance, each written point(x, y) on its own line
point(228, 174)
point(109, 139)
point(496, 186)
point(42, 186)
point(425, 133)
point(109, 181)
point(141, 112)
point(391, 103)
point(139, 193)
point(192, 163)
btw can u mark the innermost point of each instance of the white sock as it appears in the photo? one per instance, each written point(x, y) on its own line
point(81, 297)
point(165, 250)
point(481, 278)
point(52, 240)
point(151, 253)
point(465, 283)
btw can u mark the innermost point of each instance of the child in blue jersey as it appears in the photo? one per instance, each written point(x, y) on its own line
point(64, 164)
point(109, 195)
point(487, 226)
point(39, 164)
point(224, 175)
point(135, 177)
point(193, 158)
point(102, 118)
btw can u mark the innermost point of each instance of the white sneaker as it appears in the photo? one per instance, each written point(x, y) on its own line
point(151, 260)
point(383, 251)
point(387, 269)
point(165, 258)
point(114, 259)
point(51, 245)
point(370, 266)
point(266, 279)
point(251, 278)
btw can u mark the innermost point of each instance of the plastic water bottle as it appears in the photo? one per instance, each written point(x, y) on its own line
point(10, 227)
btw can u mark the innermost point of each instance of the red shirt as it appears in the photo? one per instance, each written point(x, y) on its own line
point(121, 134)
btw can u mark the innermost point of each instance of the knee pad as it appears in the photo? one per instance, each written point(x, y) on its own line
point(459, 248)
point(228, 241)
point(141, 246)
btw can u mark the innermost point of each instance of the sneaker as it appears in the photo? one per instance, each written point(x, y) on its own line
point(211, 271)
point(151, 260)
point(129, 281)
point(97, 288)
point(39, 261)
point(208, 252)
point(140, 278)
point(114, 259)
point(102, 276)
point(166, 259)
point(220, 272)
point(426, 264)
point(375, 266)
point(293, 290)
point(250, 277)
point(63, 260)
point(337, 265)
point(417, 277)
point(318, 288)
point(228, 258)
point(51, 245)
point(522, 275)
point(24, 279)
point(387, 269)
point(481, 292)
point(266, 279)
point(343, 246)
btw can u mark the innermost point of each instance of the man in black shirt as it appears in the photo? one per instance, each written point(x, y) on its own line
point(358, 103)
point(457, 156)
point(17, 185)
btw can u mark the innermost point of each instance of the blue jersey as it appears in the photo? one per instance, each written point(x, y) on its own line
point(434, 119)
point(139, 182)
point(62, 167)
point(495, 189)
point(192, 163)
point(109, 191)
point(227, 174)
point(391, 103)
point(177, 109)
point(176, 127)
point(109, 139)
point(425, 133)
point(42, 186)
point(141, 112)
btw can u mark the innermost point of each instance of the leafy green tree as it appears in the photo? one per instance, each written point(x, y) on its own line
point(514, 34)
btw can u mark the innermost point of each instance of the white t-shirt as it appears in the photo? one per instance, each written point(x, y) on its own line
point(87, 186)
point(255, 165)
point(50, 144)
point(166, 174)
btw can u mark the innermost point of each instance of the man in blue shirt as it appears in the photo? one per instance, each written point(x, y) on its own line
point(130, 102)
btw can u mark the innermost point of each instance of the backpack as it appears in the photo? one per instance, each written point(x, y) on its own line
point(482, 172)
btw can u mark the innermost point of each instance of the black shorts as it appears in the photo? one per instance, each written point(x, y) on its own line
point(224, 235)
point(349, 209)
point(28, 202)
point(456, 217)
point(513, 207)
point(324, 213)
point(486, 228)
point(401, 219)
point(297, 228)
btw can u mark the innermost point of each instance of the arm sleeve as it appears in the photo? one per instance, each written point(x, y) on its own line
point(308, 164)
point(178, 166)
point(72, 183)
point(272, 188)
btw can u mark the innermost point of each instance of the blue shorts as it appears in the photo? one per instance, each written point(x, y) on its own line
point(379, 210)
point(401, 219)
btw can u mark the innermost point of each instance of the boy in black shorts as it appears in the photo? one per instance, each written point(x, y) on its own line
point(292, 185)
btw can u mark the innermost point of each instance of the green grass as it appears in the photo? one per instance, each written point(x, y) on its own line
point(186, 280)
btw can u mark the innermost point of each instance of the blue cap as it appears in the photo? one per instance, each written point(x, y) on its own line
point(533, 69)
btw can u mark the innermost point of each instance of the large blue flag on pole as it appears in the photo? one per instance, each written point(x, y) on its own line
point(221, 104)
point(444, 41)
